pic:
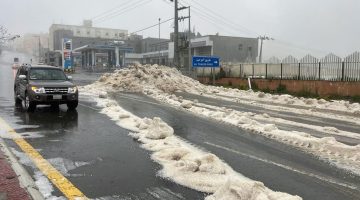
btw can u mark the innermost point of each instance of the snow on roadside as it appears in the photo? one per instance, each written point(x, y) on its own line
point(308, 111)
point(266, 118)
point(182, 162)
point(229, 93)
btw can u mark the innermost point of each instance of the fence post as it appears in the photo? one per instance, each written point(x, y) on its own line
point(281, 71)
point(343, 71)
point(253, 70)
point(299, 75)
point(266, 71)
point(240, 75)
point(319, 70)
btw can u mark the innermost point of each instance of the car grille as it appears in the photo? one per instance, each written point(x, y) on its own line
point(51, 90)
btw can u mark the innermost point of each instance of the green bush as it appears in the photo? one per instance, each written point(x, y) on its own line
point(243, 87)
point(267, 90)
point(281, 89)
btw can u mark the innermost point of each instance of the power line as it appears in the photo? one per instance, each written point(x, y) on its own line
point(123, 7)
point(124, 10)
point(162, 22)
point(110, 10)
point(205, 19)
point(216, 18)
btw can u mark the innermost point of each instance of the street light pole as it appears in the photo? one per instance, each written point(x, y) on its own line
point(262, 38)
point(159, 45)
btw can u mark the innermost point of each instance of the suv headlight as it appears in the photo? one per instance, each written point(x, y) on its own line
point(72, 90)
point(37, 90)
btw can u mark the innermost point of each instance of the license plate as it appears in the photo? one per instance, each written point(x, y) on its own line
point(56, 97)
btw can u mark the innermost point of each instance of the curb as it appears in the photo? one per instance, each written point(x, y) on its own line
point(24, 177)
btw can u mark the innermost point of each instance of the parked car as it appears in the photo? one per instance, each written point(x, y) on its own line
point(41, 84)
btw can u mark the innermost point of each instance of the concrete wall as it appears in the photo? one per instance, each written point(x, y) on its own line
point(321, 88)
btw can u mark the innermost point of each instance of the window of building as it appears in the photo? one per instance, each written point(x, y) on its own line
point(88, 32)
point(240, 47)
point(107, 34)
point(249, 48)
point(116, 34)
point(78, 31)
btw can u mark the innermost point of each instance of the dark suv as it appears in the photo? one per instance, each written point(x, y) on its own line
point(36, 85)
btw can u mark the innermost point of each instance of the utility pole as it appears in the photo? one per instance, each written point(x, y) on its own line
point(159, 45)
point(262, 38)
point(190, 58)
point(176, 35)
point(189, 35)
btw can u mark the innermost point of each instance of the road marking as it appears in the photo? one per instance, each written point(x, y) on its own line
point(329, 180)
point(62, 183)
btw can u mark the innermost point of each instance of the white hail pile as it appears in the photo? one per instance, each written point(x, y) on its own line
point(185, 164)
point(147, 78)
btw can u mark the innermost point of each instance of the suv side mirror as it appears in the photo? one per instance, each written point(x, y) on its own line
point(70, 77)
point(22, 77)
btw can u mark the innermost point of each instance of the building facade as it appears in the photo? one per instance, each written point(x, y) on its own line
point(229, 49)
point(59, 31)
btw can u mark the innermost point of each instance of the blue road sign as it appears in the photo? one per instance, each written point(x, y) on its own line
point(205, 61)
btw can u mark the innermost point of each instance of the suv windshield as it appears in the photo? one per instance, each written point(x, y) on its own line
point(47, 74)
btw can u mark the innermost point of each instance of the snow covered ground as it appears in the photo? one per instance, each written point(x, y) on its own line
point(188, 165)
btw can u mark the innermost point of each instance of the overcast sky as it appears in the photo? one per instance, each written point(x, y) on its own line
point(299, 27)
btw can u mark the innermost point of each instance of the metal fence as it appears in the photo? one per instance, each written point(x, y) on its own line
point(331, 67)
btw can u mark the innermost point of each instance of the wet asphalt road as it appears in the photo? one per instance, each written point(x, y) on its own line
point(117, 168)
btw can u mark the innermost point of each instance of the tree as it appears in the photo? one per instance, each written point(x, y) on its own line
point(3, 34)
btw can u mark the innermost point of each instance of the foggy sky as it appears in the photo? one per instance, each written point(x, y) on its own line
point(299, 27)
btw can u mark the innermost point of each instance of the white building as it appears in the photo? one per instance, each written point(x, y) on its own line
point(85, 31)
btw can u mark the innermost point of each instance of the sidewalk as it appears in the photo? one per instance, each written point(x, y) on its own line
point(10, 188)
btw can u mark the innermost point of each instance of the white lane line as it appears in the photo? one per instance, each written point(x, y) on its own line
point(329, 180)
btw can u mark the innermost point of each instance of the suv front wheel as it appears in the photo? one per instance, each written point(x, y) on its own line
point(72, 105)
point(16, 98)
point(28, 104)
